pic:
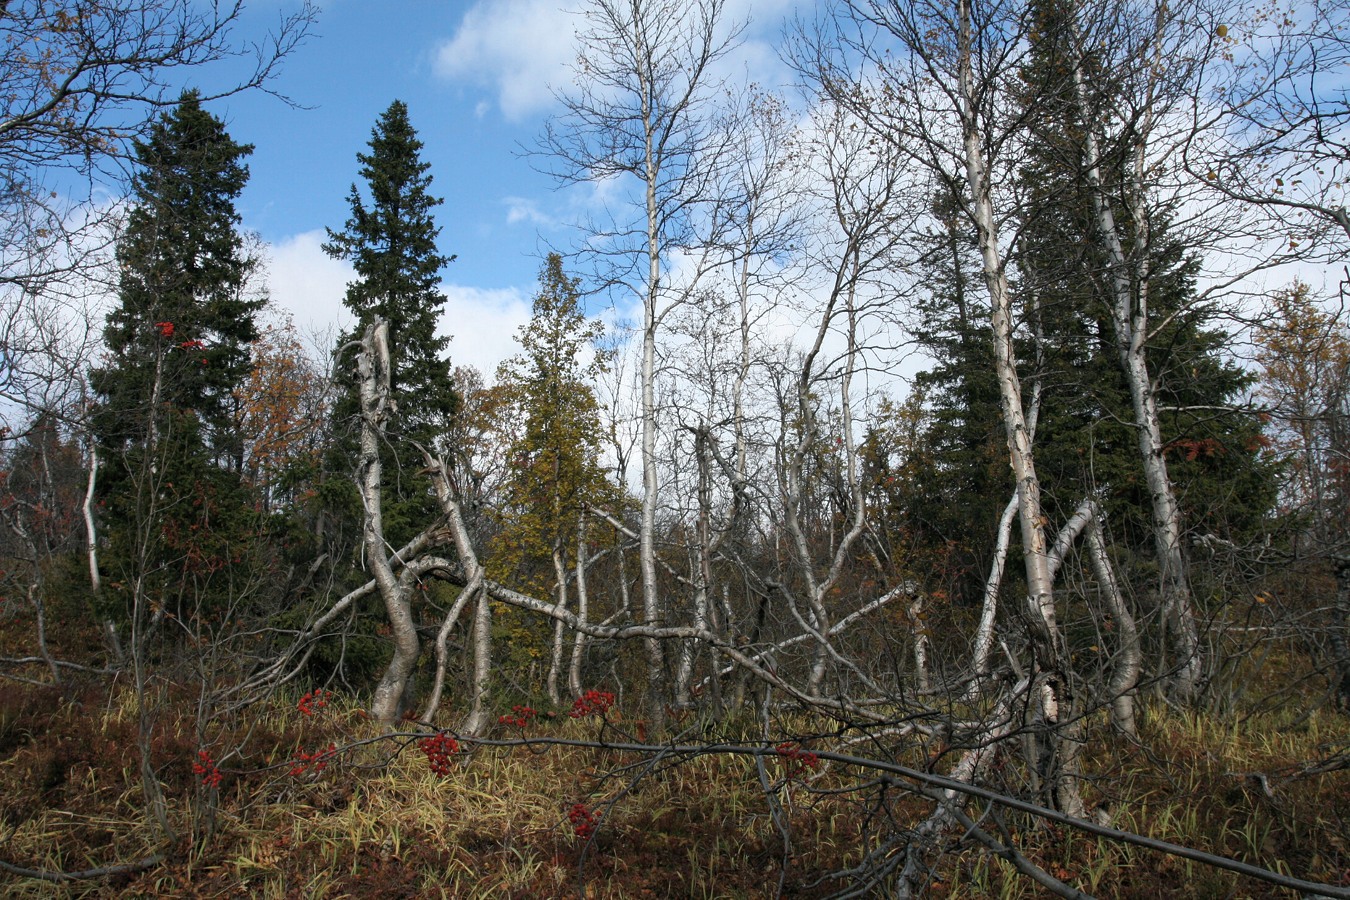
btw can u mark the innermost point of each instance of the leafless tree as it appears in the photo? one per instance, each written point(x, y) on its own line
point(943, 99)
point(1270, 127)
point(81, 81)
point(641, 116)
point(1132, 107)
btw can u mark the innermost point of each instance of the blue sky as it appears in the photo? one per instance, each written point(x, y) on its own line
point(478, 80)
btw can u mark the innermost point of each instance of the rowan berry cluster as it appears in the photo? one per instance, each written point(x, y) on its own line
point(519, 716)
point(592, 703)
point(313, 701)
point(584, 820)
point(795, 759)
point(205, 766)
point(317, 761)
point(439, 749)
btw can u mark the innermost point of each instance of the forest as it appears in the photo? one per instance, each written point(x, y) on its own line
point(964, 511)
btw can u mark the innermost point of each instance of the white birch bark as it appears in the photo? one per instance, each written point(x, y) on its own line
point(475, 585)
point(703, 551)
point(556, 654)
point(651, 600)
point(984, 632)
point(442, 647)
point(583, 611)
point(1032, 522)
point(373, 382)
point(1086, 522)
point(1120, 689)
point(969, 768)
point(1046, 640)
point(110, 635)
point(1129, 283)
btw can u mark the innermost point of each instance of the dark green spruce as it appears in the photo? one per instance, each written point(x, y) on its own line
point(172, 508)
point(390, 240)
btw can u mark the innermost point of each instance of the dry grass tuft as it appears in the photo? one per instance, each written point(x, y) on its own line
point(374, 820)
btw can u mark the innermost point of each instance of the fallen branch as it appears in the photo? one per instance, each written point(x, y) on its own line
point(955, 786)
point(34, 660)
point(87, 874)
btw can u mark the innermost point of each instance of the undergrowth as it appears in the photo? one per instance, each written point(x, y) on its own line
point(308, 798)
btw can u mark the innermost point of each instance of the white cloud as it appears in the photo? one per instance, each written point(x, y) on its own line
point(523, 49)
point(309, 283)
point(520, 47)
point(482, 323)
point(523, 209)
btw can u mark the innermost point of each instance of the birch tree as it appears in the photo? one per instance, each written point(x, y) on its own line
point(1269, 127)
point(1136, 74)
point(82, 80)
point(641, 117)
point(944, 99)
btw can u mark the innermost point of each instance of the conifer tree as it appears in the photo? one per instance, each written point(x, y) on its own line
point(174, 511)
point(1086, 440)
point(1089, 428)
point(180, 334)
point(390, 240)
point(952, 498)
point(554, 458)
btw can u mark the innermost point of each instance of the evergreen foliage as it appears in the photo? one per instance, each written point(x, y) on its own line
point(180, 333)
point(1085, 436)
point(173, 510)
point(390, 240)
point(962, 482)
point(554, 461)
point(1086, 441)
point(555, 469)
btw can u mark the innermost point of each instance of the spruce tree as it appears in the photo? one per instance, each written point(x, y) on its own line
point(180, 333)
point(173, 510)
point(956, 501)
point(1087, 438)
point(554, 456)
point(390, 240)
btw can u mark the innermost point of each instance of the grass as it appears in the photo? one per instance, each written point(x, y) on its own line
point(378, 822)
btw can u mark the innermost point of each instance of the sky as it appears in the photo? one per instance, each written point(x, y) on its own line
point(479, 81)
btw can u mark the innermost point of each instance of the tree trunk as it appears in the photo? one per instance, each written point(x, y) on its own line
point(1120, 690)
point(479, 717)
point(1129, 317)
point(556, 654)
point(583, 611)
point(1340, 633)
point(442, 643)
point(1046, 643)
point(373, 376)
point(1087, 522)
point(984, 632)
point(651, 600)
